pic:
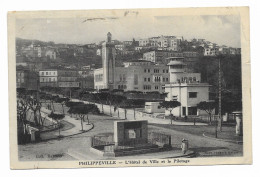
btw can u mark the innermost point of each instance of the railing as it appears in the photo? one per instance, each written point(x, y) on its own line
point(154, 138)
point(159, 138)
point(102, 140)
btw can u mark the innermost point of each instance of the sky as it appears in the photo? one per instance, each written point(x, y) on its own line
point(223, 30)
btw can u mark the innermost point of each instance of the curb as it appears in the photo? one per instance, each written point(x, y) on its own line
point(59, 138)
point(225, 140)
point(189, 155)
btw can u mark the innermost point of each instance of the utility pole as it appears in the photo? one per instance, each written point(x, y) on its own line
point(216, 128)
point(219, 95)
point(38, 86)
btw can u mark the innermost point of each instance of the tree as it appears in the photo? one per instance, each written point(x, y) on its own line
point(83, 110)
point(22, 109)
point(62, 101)
point(101, 98)
point(35, 106)
point(208, 107)
point(132, 103)
point(56, 116)
point(117, 100)
point(71, 104)
point(104, 97)
point(170, 105)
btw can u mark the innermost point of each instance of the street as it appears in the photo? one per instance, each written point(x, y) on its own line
point(57, 149)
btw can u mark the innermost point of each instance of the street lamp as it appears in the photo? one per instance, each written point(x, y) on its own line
point(219, 95)
point(219, 118)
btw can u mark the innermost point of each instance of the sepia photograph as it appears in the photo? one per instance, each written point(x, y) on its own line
point(132, 87)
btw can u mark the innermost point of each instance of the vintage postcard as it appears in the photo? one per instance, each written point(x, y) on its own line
point(130, 87)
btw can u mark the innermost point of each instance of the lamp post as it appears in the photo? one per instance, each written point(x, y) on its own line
point(219, 95)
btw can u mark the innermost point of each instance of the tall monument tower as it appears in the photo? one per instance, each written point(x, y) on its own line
point(108, 62)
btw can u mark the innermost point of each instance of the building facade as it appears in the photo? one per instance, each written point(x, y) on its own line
point(86, 82)
point(185, 88)
point(58, 78)
point(48, 78)
point(50, 53)
point(139, 75)
point(158, 56)
point(68, 78)
point(144, 42)
point(26, 79)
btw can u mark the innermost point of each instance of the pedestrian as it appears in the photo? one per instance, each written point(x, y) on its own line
point(125, 113)
point(184, 146)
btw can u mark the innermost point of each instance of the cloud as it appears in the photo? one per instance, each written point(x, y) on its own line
point(220, 29)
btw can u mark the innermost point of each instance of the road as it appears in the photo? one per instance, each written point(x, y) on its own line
point(58, 149)
point(137, 115)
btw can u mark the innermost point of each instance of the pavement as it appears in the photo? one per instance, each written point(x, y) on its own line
point(137, 115)
point(85, 154)
point(73, 130)
point(63, 149)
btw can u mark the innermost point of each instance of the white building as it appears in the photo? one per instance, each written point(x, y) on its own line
point(51, 53)
point(153, 107)
point(120, 47)
point(139, 75)
point(144, 42)
point(98, 52)
point(211, 51)
point(174, 44)
point(48, 77)
point(185, 88)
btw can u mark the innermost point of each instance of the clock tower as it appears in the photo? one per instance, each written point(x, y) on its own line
point(108, 62)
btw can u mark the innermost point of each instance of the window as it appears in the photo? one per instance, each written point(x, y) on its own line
point(136, 79)
point(157, 79)
point(145, 70)
point(147, 87)
point(145, 79)
point(148, 79)
point(167, 79)
point(194, 78)
point(167, 71)
point(192, 94)
point(192, 110)
point(163, 79)
point(46, 73)
point(43, 73)
point(156, 70)
point(156, 87)
point(163, 71)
